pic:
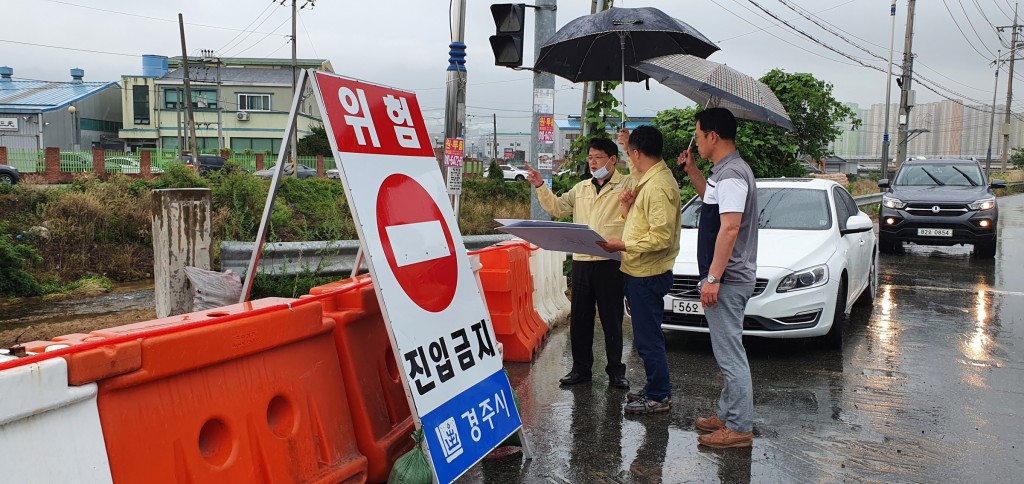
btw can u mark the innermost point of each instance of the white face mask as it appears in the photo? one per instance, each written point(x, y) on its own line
point(600, 173)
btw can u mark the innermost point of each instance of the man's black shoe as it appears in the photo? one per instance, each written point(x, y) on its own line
point(573, 378)
point(619, 382)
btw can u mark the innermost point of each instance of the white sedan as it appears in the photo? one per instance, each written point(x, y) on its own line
point(816, 257)
point(511, 173)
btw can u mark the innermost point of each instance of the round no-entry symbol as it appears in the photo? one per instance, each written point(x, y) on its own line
point(417, 243)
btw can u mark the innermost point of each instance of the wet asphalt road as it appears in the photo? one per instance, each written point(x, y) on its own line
point(929, 387)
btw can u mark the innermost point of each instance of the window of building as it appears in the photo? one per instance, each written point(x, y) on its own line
point(105, 126)
point(201, 98)
point(256, 145)
point(171, 143)
point(140, 104)
point(254, 102)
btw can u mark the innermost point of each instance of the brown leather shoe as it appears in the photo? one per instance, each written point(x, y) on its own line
point(709, 424)
point(725, 438)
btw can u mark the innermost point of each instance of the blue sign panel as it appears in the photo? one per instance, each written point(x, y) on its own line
point(464, 429)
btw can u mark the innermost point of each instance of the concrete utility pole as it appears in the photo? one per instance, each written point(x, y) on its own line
point(1009, 91)
point(992, 120)
point(194, 145)
point(455, 101)
point(888, 91)
point(494, 119)
point(543, 88)
point(295, 82)
point(906, 104)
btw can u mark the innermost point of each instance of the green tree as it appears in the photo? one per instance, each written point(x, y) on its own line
point(15, 258)
point(816, 114)
point(315, 143)
point(1017, 157)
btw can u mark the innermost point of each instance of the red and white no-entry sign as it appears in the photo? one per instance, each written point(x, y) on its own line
point(417, 242)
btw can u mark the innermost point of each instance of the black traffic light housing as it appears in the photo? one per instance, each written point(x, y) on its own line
point(507, 41)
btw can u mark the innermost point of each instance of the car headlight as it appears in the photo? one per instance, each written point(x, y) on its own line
point(890, 202)
point(983, 204)
point(805, 279)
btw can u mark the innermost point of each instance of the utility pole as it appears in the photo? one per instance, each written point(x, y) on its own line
point(992, 120)
point(194, 145)
point(208, 58)
point(888, 91)
point(1009, 90)
point(295, 82)
point(494, 154)
point(455, 101)
point(906, 104)
point(543, 89)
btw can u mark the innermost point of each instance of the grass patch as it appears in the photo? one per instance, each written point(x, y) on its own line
point(86, 286)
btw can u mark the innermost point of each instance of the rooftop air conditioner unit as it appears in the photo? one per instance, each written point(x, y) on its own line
point(242, 116)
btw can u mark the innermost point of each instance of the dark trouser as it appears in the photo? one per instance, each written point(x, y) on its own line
point(600, 283)
point(647, 309)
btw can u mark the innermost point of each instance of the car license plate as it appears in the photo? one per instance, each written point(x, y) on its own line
point(687, 306)
point(935, 232)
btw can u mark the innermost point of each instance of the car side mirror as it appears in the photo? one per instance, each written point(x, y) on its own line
point(998, 184)
point(883, 183)
point(857, 224)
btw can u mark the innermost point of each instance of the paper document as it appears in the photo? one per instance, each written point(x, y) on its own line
point(559, 236)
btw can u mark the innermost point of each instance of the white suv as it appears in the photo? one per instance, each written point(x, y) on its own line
point(511, 173)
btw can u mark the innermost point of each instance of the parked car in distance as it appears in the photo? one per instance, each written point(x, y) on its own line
point(207, 163)
point(124, 164)
point(815, 258)
point(332, 173)
point(303, 171)
point(510, 173)
point(810, 169)
point(9, 175)
point(939, 202)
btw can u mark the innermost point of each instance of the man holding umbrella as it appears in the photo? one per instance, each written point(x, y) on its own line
point(727, 260)
point(595, 280)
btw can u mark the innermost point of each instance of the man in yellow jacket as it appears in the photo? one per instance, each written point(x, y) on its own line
point(596, 281)
point(649, 247)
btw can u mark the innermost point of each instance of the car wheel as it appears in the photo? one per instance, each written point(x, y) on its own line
point(985, 250)
point(834, 337)
point(520, 177)
point(887, 244)
point(7, 179)
point(867, 298)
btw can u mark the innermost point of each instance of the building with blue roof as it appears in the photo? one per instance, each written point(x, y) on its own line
point(70, 115)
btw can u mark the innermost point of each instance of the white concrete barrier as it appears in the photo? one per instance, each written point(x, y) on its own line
point(49, 431)
point(549, 285)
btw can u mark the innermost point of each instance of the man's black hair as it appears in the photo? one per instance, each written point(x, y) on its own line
point(604, 144)
point(719, 120)
point(648, 140)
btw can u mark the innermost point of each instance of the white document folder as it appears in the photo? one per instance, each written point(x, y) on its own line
point(559, 236)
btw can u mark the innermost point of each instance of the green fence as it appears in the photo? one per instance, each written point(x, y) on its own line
point(26, 161)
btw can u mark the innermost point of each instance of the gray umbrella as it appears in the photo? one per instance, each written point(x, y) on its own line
point(599, 47)
point(718, 85)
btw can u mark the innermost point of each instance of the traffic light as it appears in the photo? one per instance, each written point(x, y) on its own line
point(507, 41)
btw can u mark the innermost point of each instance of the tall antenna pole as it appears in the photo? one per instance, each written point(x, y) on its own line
point(194, 144)
point(888, 91)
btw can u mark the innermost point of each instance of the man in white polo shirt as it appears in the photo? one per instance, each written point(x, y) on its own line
point(727, 260)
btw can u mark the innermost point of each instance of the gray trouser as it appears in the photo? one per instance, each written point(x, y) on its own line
point(725, 320)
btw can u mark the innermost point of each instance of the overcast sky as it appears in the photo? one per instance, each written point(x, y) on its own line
point(404, 43)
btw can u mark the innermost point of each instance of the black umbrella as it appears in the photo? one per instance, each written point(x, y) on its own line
point(599, 47)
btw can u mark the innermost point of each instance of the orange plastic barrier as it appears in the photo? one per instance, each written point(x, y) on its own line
point(257, 398)
point(508, 290)
point(380, 411)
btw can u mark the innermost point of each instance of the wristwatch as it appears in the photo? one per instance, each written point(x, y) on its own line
point(713, 279)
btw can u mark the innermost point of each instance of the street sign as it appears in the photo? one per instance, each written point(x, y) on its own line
point(436, 318)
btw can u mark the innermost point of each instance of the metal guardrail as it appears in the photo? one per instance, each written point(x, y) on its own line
point(329, 258)
point(869, 199)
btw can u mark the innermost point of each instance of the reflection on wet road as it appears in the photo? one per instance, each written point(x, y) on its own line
point(927, 389)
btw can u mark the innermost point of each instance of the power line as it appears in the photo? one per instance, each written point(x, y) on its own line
point(965, 35)
point(246, 29)
point(68, 48)
point(762, 29)
point(142, 16)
